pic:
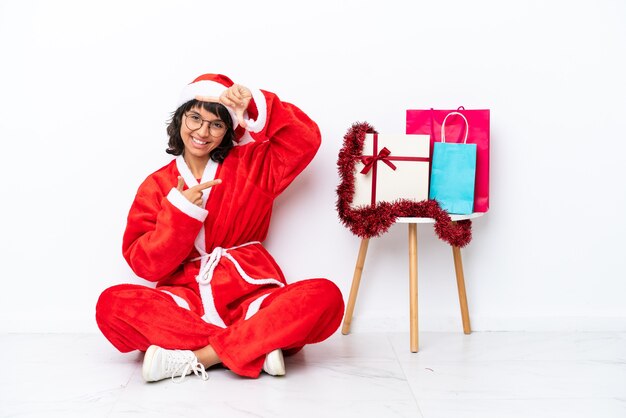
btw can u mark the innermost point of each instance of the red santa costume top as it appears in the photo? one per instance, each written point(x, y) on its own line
point(215, 282)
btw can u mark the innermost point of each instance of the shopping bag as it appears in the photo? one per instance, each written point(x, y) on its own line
point(453, 172)
point(429, 121)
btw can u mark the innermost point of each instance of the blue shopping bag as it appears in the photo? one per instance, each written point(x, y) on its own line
point(453, 173)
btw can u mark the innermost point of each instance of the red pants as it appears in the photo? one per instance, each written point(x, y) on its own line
point(133, 317)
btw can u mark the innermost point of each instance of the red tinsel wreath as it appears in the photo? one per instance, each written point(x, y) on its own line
point(374, 220)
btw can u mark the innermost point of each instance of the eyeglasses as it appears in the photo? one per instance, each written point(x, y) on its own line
point(193, 121)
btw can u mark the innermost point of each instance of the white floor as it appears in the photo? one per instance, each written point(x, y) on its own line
point(361, 375)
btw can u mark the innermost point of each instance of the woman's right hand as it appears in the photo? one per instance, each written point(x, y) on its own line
point(194, 194)
point(237, 97)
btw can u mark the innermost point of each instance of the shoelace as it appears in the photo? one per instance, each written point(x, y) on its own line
point(180, 363)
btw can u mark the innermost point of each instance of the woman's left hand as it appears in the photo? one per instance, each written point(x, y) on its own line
point(237, 97)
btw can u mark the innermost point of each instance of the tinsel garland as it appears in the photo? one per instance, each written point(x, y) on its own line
point(374, 220)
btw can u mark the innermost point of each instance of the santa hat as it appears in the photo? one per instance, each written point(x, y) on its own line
point(213, 85)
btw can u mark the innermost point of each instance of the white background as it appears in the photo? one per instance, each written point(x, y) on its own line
point(86, 89)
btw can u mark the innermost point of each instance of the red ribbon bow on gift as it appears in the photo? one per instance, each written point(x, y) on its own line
point(370, 160)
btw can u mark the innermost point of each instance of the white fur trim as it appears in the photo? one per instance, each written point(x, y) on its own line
point(206, 88)
point(200, 242)
point(179, 301)
point(208, 303)
point(261, 106)
point(177, 199)
point(209, 174)
point(254, 307)
point(249, 279)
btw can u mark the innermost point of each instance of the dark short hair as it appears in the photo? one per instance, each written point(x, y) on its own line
point(175, 145)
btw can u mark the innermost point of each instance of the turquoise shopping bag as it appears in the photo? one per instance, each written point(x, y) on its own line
point(453, 173)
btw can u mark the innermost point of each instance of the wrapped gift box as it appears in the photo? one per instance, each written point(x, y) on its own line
point(392, 167)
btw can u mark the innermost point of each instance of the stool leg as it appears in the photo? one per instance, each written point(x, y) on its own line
point(460, 281)
point(413, 286)
point(356, 280)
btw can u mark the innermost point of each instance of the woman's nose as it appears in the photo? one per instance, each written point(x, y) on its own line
point(203, 130)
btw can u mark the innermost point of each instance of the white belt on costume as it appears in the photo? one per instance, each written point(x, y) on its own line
point(208, 263)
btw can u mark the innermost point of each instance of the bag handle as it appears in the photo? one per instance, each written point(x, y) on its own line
point(443, 126)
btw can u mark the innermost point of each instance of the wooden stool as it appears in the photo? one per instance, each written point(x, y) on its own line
point(458, 267)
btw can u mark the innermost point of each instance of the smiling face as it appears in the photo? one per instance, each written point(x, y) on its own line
point(206, 136)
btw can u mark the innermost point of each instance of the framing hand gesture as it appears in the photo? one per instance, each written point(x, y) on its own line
point(237, 97)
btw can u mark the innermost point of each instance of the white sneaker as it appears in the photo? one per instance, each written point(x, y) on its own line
point(159, 363)
point(274, 363)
